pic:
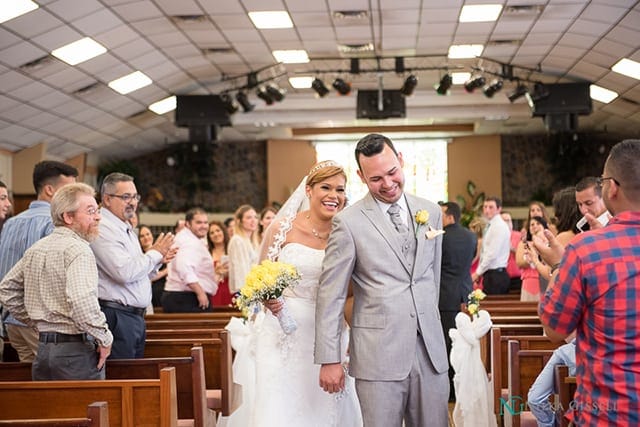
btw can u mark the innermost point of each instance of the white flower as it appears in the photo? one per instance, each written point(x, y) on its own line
point(433, 233)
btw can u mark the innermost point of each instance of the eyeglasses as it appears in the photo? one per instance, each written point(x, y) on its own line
point(600, 180)
point(127, 198)
point(93, 211)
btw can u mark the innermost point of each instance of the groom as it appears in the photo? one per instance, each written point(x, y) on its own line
point(397, 349)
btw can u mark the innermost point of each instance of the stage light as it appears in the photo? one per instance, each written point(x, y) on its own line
point(341, 86)
point(445, 84)
point(409, 85)
point(243, 100)
point(474, 83)
point(493, 88)
point(229, 104)
point(320, 88)
point(262, 93)
point(276, 93)
point(520, 91)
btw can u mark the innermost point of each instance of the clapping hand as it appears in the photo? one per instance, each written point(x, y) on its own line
point(549, 248)
point(163, 245)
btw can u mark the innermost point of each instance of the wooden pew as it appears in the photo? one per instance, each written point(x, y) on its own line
point(519, 319)
point(221, 391)
point(190, 383)
point(566, 387)
point(524, 367)
point(179, 324)
point(97, 416)
point(132, 403)
point(191, 334)
point(498, 357)
point(208, 315)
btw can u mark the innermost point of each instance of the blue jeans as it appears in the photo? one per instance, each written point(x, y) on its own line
point(542, 388)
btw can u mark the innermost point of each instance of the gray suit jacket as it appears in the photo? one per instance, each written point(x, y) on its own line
point(392, 302)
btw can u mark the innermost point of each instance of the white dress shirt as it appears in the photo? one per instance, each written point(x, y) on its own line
point(496, 244)
point(192, 264)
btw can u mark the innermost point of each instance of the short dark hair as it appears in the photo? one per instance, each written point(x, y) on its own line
point(494, 199)
point(3, 185)
point(588, 182)
point(372, 144)
point(48, 171)
point(453, 209)
point(188, 217)
point(622, 163)
point(110, 181)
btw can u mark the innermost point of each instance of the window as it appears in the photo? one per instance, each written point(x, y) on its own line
point(425, 166)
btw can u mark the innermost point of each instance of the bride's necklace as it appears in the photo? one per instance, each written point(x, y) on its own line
point(314, 231)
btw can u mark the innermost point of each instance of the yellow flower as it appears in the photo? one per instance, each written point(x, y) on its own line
point(266, 281)
point(472, 309)
point(422, 216)
point(478, 294)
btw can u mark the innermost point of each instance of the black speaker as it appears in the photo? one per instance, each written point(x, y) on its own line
point(203, 133)
point(368, 107)
point(200, 110)
point(565, 122)
point(562, 98)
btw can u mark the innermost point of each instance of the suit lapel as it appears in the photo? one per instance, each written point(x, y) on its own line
point(420, 240)
point(383, 226)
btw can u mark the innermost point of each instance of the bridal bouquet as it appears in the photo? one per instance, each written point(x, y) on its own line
point(266, 281)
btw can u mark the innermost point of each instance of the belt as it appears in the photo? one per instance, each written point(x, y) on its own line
point(56, 337)
point(496, 269)
point(117, 306)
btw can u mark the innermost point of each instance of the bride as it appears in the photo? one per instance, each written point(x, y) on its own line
point(286, 390)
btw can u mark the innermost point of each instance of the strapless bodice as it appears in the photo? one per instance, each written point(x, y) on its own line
point(308, 261)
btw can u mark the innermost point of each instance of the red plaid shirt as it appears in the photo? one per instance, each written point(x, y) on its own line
point(597, 293)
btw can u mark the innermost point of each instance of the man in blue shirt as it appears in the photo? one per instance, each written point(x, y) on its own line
point(22, 231)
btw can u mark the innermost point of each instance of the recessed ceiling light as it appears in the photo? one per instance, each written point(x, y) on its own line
point(130, 82)
point(14, 8)
point(460, 78)
point(164, 105)
point(601, 94)
point(271, 19)
point(457, 51)
point(79, 51)
point(628, 68)
point(291, 56)
point(480, 12)
point(301, 82)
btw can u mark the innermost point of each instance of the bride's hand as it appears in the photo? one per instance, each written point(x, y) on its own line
point(273, 305)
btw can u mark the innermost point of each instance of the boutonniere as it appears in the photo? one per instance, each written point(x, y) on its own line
point(433, 233)
point(422, 217)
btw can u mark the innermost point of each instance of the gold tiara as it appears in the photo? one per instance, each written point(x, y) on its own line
point(324, 164)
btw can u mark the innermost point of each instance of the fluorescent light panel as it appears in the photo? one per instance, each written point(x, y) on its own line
point(164, 105)
point(79, 51)
point(303, 82)
point(602, 94)
point(291, 56)
point(460, 78)
point(10, 9)
point(458, 51)
point(271, 19)
point(130, 82)
point(628, 68)
point(480, 13)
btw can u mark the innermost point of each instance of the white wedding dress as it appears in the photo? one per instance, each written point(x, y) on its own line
point(286, 379)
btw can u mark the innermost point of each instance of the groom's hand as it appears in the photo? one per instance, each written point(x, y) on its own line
point(332, 377)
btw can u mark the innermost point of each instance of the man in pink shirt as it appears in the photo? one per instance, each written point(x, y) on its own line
point(191, 278)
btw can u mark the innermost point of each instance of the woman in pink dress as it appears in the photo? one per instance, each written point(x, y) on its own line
point(530, 277)
point(217, 239)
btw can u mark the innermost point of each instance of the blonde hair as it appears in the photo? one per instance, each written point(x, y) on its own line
point(237, 227)
point(66, 200)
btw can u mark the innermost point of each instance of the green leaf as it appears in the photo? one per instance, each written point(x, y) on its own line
point(471, 188)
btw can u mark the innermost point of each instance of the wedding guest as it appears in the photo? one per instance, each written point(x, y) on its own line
point(537, 208)
point(266, 216)
point(243, 246)
point(230, 225)
point(54, 289)
point(124, 271)
point(495, 250)
point(157, 282)
point(512, 267)
point(532, 281)
point(22, 231)
point(5, 203)
point(191, 280)
point(218, 241)
point(591, 204)
point(477, 226)
point(566, 214)
point(459, 246)
point(593, 290)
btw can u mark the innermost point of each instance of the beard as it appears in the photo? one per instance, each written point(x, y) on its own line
point(90, 235)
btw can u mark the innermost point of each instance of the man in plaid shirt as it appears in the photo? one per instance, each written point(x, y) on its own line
point(596, 292)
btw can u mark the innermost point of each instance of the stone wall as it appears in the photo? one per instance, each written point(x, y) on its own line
point(216, 176)
point(535, 166)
